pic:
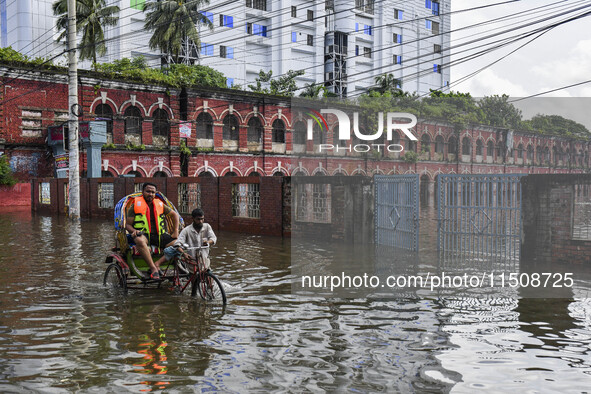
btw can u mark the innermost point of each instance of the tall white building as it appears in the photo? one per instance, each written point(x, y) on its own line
point(341, 44)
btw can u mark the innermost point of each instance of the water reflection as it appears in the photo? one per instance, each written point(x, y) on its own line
point(61, 332)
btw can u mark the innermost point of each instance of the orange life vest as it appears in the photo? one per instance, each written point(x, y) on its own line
point(142, 216)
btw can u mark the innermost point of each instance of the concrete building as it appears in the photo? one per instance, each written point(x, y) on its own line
point(340, 44)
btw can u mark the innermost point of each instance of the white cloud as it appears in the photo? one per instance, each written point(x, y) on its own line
point(488, 83)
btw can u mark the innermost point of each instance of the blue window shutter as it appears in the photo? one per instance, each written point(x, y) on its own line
point(294, 37)
point(356, 26)
point(230, 52)
point(229, 82)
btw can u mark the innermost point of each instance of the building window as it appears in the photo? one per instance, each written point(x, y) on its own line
point(452, 145)
point(356, 50)
point(160, 127)
point(226, 52)
point(367, 30)
point(439, 144)
point(294, 11)
point(230, 128)
point(246, 200)
point(226, 21)
point(105, 195)
point(437, 48)
point(257, 4)
point(397, 38)
point(31, 123)
point(204, 126)
point(490, 149)
point(310, 40)
point(206, 49)
point(104, 112)
point(437, 68)
point(435, 8)
point(189, 197)
point(313, 203)
point(255, 29)
point(299, 133)
point(397, 14)
point(45, 193)
point(255, 131)
point(479, 148)
point(208, 15)
point(530, 153)
point(137, 4)
point(581, 228)
point(367, 52)
point(397, 59)
point(310, 15)
point(278, 134)
point(435, 29)
point(133, 125)
point(294, 37)
point(466, 146)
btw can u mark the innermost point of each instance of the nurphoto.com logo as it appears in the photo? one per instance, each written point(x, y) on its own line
point(393, 122)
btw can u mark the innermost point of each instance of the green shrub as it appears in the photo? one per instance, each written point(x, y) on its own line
point(6, 176)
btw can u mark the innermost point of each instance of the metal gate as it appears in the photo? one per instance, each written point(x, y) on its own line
point(397, 211)
point(479, 218)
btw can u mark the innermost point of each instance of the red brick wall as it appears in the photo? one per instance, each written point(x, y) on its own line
point(17, 195)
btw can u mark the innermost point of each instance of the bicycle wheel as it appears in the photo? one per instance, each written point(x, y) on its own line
point(209, 289)
point(115, 279)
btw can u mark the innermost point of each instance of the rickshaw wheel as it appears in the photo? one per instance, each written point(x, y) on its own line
point(115, 279)
point(209, 289)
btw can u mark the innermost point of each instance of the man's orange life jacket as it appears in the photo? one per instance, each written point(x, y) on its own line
point(142, 217)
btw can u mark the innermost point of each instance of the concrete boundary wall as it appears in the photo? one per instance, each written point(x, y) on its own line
point(548, 214)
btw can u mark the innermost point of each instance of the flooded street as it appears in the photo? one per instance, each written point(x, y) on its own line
point(61, 331)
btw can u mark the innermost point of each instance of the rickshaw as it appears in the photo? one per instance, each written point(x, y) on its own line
point(126, 269)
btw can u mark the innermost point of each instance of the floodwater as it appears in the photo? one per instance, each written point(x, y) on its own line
point(61, 331)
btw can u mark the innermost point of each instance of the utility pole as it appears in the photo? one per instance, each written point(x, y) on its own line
point(74, 112)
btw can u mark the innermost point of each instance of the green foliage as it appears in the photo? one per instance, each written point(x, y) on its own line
point(172, 22)
point(176, 75)
point(6, 176)
point(387, 84)
point(130, 146)
point(558, 125)
point(411, 157)
point(184, 75)
point(185, 149)
point(9, 55)
point(498, 111)
point(282, 86)
point(91, 17)
point(109, 145)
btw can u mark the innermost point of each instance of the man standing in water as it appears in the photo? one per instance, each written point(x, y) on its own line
point(198, 234)
point(146, 222)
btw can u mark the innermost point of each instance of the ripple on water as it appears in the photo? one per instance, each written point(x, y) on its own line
point(60, 331)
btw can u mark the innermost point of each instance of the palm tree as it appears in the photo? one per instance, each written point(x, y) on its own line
point(174, 25)
point(91, 16)
point(387, 83)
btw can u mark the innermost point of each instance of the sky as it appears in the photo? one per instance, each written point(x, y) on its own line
point(558, 58)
